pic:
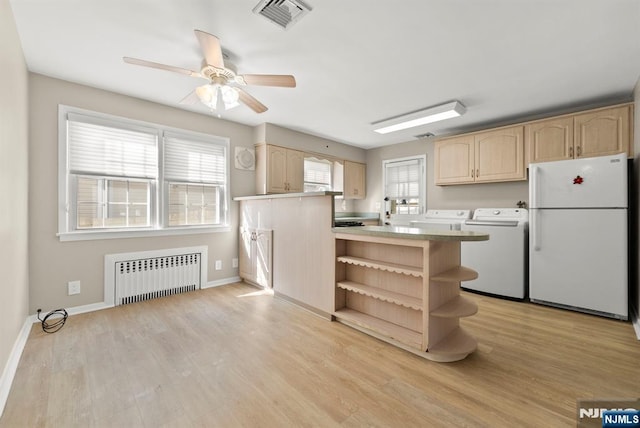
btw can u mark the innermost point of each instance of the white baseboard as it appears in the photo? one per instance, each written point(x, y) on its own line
point(220, 282)
point(75, 310)
point(10, 368)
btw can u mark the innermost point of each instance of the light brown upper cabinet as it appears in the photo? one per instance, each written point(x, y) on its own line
point(490, 156)
point(354, 180)
point(455, 160)
point(598, 132)
point(602, 132)
point(279, 170)
point(550, 139)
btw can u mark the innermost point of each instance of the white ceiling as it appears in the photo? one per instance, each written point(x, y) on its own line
point(355, 61)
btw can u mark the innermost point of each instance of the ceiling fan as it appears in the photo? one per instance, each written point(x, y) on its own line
point(224, 88)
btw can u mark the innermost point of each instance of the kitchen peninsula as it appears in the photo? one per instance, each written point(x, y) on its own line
point(286, 243)
point(399, 284)
point(402, 285)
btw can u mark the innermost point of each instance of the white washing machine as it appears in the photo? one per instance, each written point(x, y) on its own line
point(442, 219)
point(502, 261)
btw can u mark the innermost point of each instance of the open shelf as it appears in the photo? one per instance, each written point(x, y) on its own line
point(457, 274)
point(403, 304)
point(385, 328)
point(376, 264)
point(381, 294)
point(455, 308)
point(455, 346)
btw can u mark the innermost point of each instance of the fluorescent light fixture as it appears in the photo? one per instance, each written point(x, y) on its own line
point(421, 117)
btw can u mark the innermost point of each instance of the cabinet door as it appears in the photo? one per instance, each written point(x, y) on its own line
point(354, 180)
point(549, 140)
point(602, 132)
point(454, 160)
point(276, 169)
point(262, 259)
point(245, 259)
point(295, 171)
point(499, 155)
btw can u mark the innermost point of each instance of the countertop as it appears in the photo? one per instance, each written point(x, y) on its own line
point(413, 233)
point(363, 216)
point(286, 195)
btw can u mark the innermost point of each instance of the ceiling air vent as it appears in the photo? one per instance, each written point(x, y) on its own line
point(283, 13)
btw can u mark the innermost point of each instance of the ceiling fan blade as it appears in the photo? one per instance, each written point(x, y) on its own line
point(210, 48)
point(192, 98)
point(282, 80)
point(251, 102)
point(136, 61)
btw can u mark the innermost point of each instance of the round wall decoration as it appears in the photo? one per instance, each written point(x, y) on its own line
point(245, 158)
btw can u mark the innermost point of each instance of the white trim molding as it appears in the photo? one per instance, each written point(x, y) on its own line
point(223, 281)
point(11, 367)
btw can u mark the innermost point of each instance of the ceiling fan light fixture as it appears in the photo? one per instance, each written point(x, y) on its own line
point(218, 97)
point(420, 117)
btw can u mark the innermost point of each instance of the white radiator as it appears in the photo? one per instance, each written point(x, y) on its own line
point(134, 277)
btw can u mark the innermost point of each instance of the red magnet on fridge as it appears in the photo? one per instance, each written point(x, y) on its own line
point(578, 180)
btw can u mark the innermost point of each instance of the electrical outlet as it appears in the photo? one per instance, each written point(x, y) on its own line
point(218, 264)
point(73, 287)
point(234, 263)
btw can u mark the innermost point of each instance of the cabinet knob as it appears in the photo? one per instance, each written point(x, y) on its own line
point(477, 173)
point(579, 151)
point(570, 152)
point(472, 173)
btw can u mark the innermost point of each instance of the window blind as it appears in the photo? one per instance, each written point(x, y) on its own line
point(194, 161)
point(402, 179)
point(101, 149)
point(317, 171)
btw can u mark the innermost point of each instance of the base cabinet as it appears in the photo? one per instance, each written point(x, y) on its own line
point(406, 292)
point(255, 261)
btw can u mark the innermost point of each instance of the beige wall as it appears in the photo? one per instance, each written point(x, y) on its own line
point(468, 196)
point(54, 263)
point(273, 134)
point(14, 281)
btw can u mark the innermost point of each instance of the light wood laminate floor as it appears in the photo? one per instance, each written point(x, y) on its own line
point(232, 357)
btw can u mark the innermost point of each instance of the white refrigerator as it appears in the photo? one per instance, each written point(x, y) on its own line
point(578, 235)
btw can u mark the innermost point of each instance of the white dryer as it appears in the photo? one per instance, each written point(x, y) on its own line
point(442, 219)
point(502, 261)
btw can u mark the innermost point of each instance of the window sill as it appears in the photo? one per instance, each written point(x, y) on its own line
point(89, 235)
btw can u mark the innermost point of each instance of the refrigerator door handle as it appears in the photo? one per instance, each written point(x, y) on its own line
point(535, 229)
point(533, 190)
point(534, 225)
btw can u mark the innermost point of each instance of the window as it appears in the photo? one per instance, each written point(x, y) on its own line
point(317, 174)
point(119, 177)
point(195, 173)
point(405, 183)
point(111, 203)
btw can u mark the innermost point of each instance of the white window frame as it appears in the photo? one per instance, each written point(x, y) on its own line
point(422, 159)
point(158, 204)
